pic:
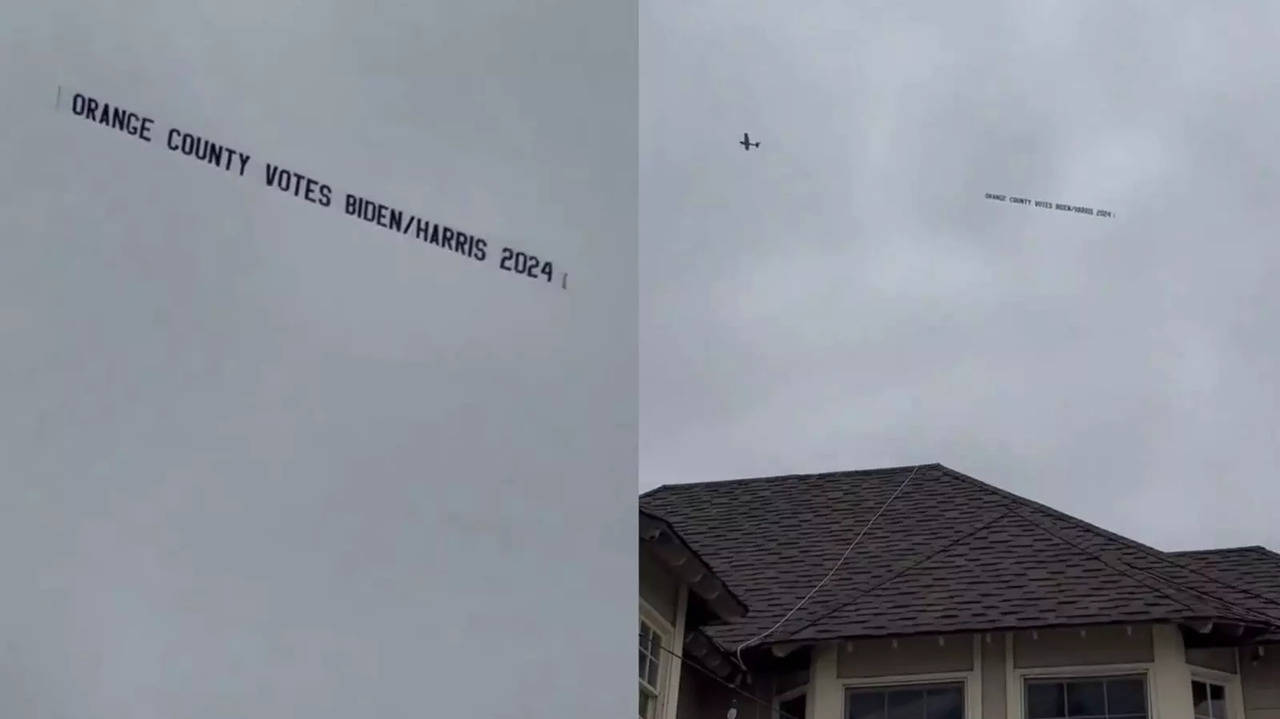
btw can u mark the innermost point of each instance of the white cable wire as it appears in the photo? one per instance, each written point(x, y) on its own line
point(830, 574)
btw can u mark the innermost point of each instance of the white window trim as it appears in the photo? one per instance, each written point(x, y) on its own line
point(1018, 689)
point(976, 676)
point(971, 688)
point(668, 666)
point(1235, 693)
point(1012, 687)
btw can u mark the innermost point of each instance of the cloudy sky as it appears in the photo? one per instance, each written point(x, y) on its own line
point(846, 298)
point(260, 459)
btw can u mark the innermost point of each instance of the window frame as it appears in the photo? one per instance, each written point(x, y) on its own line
point(1231, 681)
point(666, 635)
point(970, 678)
point(1104, 673)
point(1017, 678)
point(1208, 683)
point(960, 680)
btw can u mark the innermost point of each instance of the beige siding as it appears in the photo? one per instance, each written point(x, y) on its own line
point(913, 655)
point(658, 586)
point(993, 686)
point(1066, 647)
point(1222, 659)
point(1260, 682)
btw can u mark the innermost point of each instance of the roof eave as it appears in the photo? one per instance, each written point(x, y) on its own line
point(704, 650)
point(1199, 632)
point(690, 568)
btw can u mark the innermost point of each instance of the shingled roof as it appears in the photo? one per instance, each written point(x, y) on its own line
point(1256, 569)
point(949, 554)
point(683, 562)
point(1253, 569)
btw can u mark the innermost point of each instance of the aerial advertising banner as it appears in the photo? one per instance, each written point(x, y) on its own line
point(319, 334)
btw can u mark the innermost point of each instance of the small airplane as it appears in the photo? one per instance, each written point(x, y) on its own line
point(746, 142)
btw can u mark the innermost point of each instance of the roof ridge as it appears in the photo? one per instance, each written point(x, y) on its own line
point(1266, 550)
point(1125, 571)
point(1227, 577)
point(850, 473)
point(1056, 512)
point(1263, 616)
point(1154, 553)
point(1119, 567)
point(1222, 550)
point(892, 574)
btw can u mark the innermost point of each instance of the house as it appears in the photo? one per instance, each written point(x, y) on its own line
point(959, 601)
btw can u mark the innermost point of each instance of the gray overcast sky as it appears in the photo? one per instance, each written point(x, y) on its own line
point(845, 297)
point(259, 459)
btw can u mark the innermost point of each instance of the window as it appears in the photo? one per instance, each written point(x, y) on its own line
point(1210, 700)
point(939, 701)
point(650, 669)
point(1092, 698)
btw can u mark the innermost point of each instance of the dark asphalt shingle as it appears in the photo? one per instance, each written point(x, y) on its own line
point(949, 554)
point(1254, 570)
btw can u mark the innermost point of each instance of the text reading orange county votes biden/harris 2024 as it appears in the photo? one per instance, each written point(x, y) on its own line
point(304, 187)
